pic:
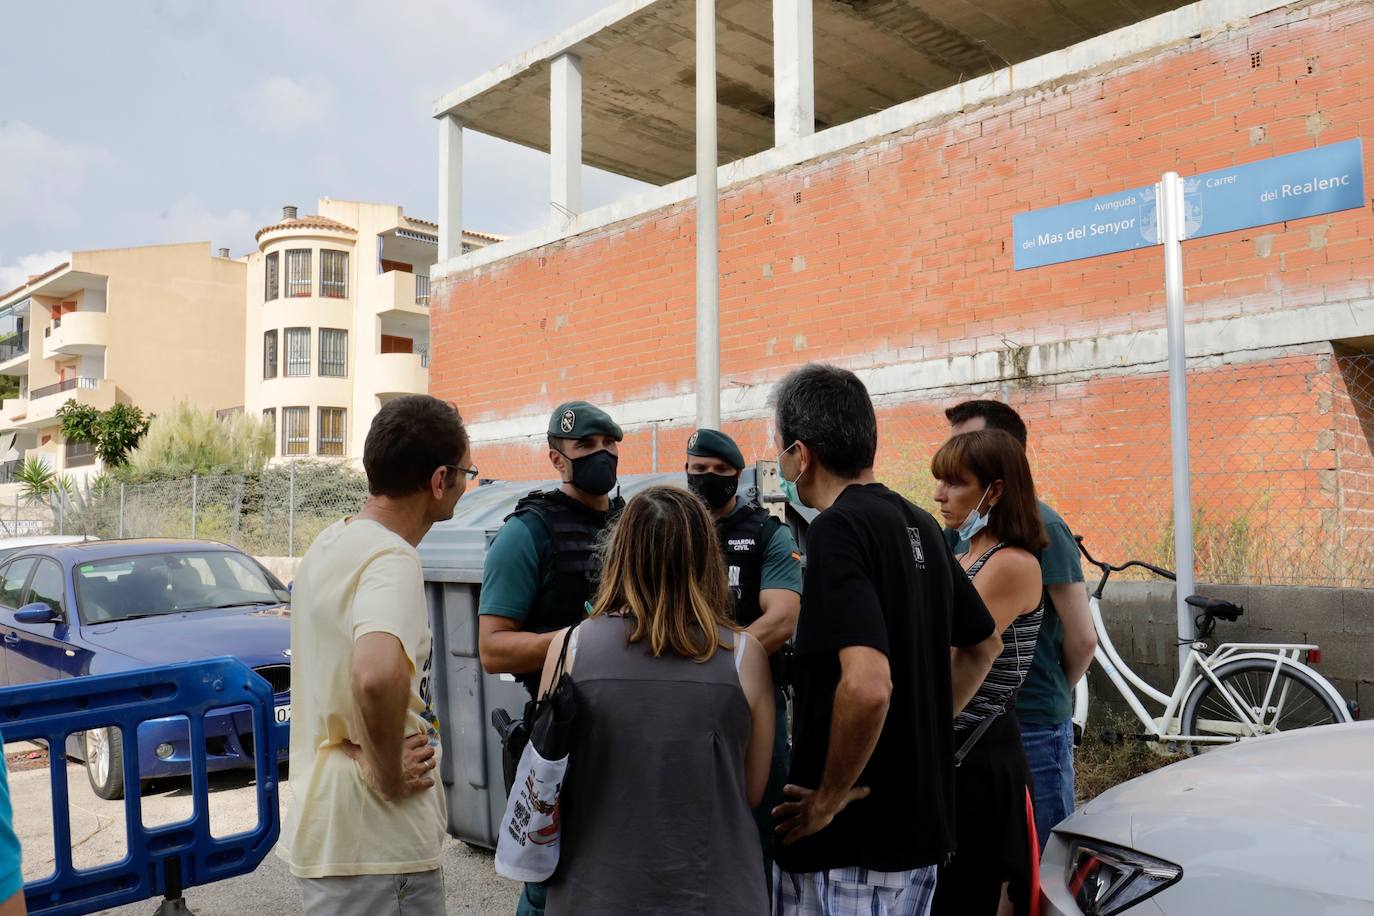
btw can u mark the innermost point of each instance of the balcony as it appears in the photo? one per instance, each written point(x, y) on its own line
point(398, 292)
point(400, 373)
point(77, 334)
point(43, 403)
point(14, 346)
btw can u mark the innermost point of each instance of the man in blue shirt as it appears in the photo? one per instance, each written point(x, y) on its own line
point(1063, 651)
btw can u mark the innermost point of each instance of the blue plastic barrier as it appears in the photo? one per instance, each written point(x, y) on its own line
point(165, 859)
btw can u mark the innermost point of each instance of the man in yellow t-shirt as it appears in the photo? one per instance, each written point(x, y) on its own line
point(367, 820)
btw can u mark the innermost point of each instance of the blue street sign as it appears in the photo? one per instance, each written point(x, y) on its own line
point(1315, 181)
point(1321, 180)
point(1086, 228)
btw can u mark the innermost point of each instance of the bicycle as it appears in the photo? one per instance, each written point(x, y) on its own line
point(1223, 695)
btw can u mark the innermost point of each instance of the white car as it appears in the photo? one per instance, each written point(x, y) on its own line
point(10, 545)
point(1275, 826)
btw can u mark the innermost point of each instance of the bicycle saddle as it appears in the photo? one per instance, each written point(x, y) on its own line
point(1216, 607)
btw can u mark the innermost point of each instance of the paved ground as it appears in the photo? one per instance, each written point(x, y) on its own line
point(98, 838)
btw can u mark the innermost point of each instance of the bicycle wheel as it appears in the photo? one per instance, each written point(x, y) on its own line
point(1277, 701)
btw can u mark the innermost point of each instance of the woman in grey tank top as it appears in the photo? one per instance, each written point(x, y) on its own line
point(674, 729)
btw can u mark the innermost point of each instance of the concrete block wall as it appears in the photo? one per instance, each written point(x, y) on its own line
point(1140, 618)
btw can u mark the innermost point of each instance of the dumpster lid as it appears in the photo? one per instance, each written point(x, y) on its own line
point(455, 550)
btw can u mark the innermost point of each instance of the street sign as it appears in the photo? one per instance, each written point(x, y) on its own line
point(1309, 183)
point(1086, 228)
point(1315, 181)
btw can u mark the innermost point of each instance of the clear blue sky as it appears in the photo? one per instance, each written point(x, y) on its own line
point(179, 120)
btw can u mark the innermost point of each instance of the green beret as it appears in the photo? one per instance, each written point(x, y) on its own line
point(578, 419)
point(712, 443)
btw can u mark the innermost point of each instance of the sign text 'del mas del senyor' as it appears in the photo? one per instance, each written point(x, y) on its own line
point(1308, 183)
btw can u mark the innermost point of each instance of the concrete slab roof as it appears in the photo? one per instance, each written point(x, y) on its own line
point(638, 69)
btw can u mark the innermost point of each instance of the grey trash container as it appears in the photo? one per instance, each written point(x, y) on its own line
point(465, 696)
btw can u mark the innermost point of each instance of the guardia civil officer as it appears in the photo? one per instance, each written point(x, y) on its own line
point(542, 567)
point(764, 572)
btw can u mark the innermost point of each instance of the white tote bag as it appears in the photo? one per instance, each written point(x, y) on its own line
point(527, 844)
point(527, 848)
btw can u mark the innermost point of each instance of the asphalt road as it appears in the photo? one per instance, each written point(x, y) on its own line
point(98, 838)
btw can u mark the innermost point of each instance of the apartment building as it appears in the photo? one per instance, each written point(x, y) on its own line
point(146, 326)
point(338, 322)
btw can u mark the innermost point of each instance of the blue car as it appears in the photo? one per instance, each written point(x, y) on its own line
point(109, 606)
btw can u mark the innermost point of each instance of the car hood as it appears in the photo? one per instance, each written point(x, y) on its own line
point(257, 636)
point(1320, 776)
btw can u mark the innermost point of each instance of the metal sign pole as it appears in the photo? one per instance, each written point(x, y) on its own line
point(1172, 230)
point(708, 266)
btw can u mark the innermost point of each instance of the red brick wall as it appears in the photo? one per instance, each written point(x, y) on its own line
point(900, 249)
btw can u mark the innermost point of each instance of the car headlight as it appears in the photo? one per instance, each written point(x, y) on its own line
point(1106, 879)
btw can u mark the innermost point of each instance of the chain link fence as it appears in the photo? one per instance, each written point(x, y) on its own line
point(276, 513)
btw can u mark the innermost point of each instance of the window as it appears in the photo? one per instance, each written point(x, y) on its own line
point(297, 352)
point(271, 285)
point(333, 353)
point(270, 415)
point(47, 585)
point(331, 432)
point(295, 431)
point(298, 272)
point(12, 581)
point(333, 274)
point(269, 354)
point(78, 454)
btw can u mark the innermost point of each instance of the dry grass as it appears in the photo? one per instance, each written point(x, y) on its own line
point(1099, 766)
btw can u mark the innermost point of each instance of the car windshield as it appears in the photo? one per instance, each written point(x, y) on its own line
point(170, 583)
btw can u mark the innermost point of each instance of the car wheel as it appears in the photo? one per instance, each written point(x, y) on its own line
point(104, 749)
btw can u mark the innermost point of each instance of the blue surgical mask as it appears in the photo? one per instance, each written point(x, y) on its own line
point(789, 487)
point(974, 523)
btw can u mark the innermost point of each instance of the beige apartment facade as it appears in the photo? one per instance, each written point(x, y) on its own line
point(146, 326)
point(337, 322)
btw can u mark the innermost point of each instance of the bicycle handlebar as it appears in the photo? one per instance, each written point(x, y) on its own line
point(1108, 568)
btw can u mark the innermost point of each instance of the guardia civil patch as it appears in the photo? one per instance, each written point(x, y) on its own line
point(568, 421)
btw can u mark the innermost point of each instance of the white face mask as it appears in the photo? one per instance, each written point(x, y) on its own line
point(974, 523)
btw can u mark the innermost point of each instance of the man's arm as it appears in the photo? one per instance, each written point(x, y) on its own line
point(510, 584)
point(780, 586)
point(975, 639)
point(507, 649)
point(380, 679)
point(856, 721)
point(777, 623)
point(968, 666)
point(1080, 637)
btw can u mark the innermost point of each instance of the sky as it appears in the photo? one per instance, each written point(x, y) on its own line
point(158, 121)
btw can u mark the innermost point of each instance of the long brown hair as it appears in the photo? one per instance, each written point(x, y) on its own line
point(988, 455)
point(663, 568)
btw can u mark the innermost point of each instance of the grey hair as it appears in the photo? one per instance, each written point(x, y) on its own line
point(829, 409)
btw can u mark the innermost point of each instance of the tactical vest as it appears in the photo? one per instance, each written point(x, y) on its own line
point(744, 538)
point(575, 536)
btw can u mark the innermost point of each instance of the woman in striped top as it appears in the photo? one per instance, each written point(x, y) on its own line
point(986, 495)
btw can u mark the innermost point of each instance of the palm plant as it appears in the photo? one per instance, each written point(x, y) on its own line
point(38, 482)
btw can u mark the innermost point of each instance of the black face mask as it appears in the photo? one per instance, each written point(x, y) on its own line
point(716, 490)
point(594, 473)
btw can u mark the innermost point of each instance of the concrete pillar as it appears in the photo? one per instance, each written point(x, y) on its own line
point(565, 136)
point(450, 187)
point(794, 72)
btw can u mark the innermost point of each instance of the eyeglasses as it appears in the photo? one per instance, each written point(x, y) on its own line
point(471, 472)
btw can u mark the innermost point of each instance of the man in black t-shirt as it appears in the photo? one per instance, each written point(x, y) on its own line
point(870, 805)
